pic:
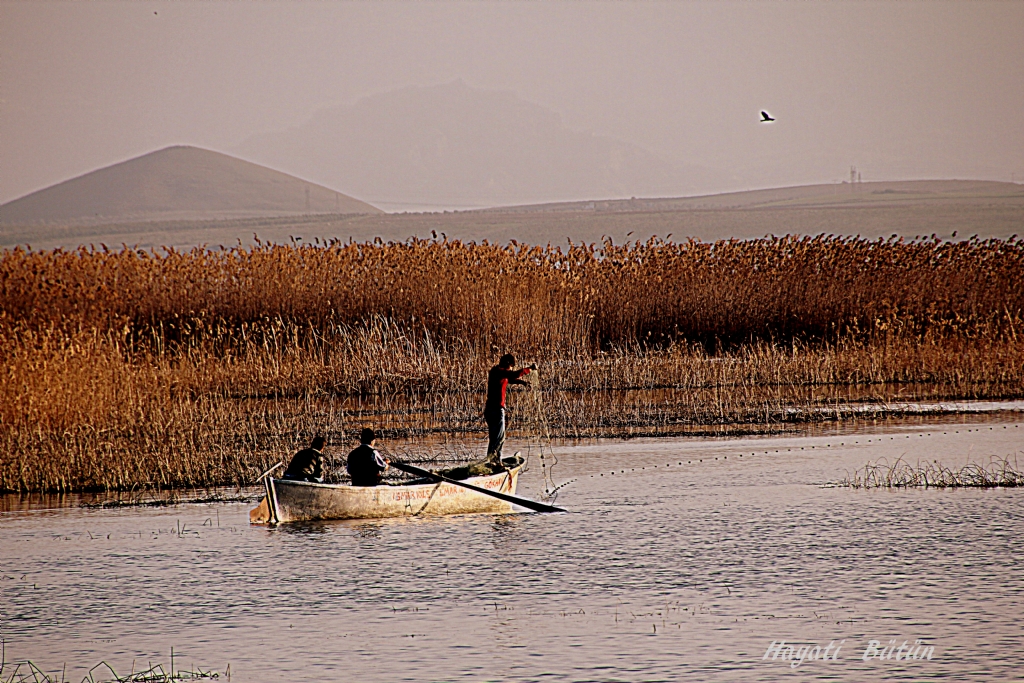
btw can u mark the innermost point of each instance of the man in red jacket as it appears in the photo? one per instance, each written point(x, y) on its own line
point(498, 379)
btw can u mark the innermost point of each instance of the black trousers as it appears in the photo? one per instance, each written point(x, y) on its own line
point(495, 418)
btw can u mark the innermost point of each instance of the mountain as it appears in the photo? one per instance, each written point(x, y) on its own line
point(180, 183)
point(456, 146)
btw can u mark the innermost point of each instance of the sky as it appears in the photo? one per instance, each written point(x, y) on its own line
point(903, 90)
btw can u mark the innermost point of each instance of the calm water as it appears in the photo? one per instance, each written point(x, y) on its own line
point(685, 572)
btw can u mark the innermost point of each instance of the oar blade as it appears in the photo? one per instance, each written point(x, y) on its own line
point(515, 500)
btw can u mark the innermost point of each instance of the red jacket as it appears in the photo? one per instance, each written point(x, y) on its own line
point(497, 382)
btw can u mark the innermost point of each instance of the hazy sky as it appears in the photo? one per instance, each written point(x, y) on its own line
point(902, 90)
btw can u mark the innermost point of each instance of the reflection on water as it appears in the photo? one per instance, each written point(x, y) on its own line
point(659, 572)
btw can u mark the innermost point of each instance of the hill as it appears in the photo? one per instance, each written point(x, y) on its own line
point(453, 145)
point(837, 195)
point(907, 209)
point(183, 183)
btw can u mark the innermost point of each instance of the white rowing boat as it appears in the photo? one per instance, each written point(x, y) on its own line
point(293, 501)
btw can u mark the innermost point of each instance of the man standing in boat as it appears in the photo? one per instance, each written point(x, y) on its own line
point(308, 464)
point(498, 379)
point(365, 464)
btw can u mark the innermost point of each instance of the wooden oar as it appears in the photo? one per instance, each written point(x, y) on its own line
point(523, 502)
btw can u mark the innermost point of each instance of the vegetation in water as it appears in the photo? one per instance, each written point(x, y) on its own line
point(129, 369)
point(999, 473)
point(29, 672)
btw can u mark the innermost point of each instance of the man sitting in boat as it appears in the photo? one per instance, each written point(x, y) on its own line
point(498, 379)
point(308, 464)
point(365, 464)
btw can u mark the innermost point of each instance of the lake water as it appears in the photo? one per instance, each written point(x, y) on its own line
point(661, 572)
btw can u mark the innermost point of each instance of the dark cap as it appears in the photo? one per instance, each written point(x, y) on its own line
point(367, 435)
point(318, 443)
point(507, 361)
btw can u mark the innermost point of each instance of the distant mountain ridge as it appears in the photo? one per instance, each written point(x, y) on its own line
point(946, 208)
point(831, 195)
point(178, 183)
point(454, 145)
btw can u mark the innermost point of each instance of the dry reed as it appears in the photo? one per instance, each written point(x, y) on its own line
point(999, 473)
point(128, 369)
point(28, 672)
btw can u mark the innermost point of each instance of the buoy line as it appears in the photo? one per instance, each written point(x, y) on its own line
point(768, 452)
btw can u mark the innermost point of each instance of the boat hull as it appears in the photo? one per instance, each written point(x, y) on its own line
point(301, 501)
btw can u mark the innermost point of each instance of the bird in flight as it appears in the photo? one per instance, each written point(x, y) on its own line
point(765, 118)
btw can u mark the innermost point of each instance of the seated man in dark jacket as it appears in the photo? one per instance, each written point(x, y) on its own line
point(308, 464)
point(365, 465)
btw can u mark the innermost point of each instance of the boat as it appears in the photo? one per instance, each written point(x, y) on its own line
point(288, 500)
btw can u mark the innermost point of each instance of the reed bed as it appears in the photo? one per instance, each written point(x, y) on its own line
point(999, 473)
point(128, 370)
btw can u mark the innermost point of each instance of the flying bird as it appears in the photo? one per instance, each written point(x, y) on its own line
point(765, 118)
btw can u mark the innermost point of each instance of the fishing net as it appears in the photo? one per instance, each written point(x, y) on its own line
point(535, 423)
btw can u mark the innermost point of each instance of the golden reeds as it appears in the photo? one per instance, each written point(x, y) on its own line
point(129, 369)
point(530, 298)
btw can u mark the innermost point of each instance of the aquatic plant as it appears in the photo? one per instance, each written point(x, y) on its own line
point(999, 473)
point(28, 672)
point(129, 369)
